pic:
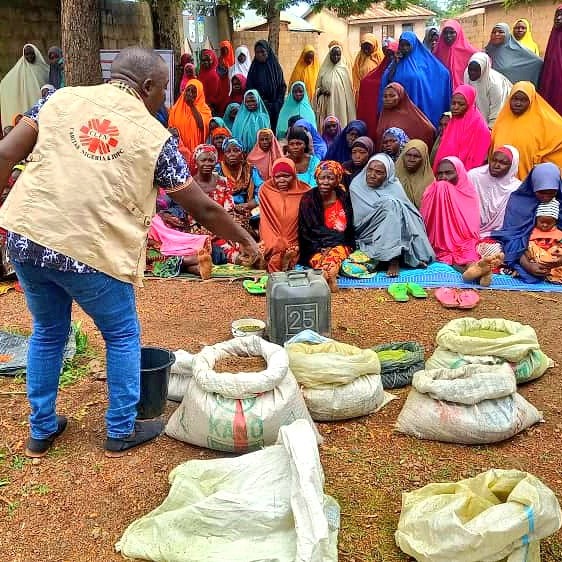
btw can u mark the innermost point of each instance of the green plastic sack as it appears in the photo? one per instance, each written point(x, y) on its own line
point(399, 362)
point(500, 515)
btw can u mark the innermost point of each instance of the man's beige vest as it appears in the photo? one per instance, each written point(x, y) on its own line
point(88, 191)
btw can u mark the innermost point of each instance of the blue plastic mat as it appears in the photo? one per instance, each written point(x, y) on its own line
point(443, 275)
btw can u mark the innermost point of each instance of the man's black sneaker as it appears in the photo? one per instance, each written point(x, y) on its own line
point(144, 431)
point(37, 448)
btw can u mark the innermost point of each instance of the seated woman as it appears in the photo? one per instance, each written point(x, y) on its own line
point(299, 151)
point(230, 114)
point(467, 135)
point(218, 136)
point(280, 198)
point(326, 235)
point(340, 149)
point(414, 170)
point(361, 150)
point(237, 89)
point(532, 126)
point(331, 128)
point(393, 142)
point(296, 103)
point(542, 185)
point(214, 123)
point(451, 212)
point(266, 150)
point(252, 117)
point(388, 228)
point(318, 143)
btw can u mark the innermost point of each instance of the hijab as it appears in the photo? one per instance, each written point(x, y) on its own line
point(527, 40)
point(263, 161)
point(186, 78)
point(513, 60)
point(536, 133)
point(228, 122)
point(237, 98)
point(56, 68)
point(492, 88)
point(338, 150)
point(291, 107)
point(248, 123)
point(425, 79)
point(228, 59)
point(415, 184)
point(399, 135)
point(407, 117)
point(20, 89)
point(216, 91)
point(366, 63)
point(350, 169)
point(467, 137)
point(307, 73)
point(240, 68)
point(330, 119)
point(494, 192)
point(429, 32)
point(318, 144)
point(182, 118)
point(551, 82)
point(454, 57)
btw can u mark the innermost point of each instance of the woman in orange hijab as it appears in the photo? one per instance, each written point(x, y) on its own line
point(191, 115)
point(280, 198)
point(367, 59)
point(306, 70)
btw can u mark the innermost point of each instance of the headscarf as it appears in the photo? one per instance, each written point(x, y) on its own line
point(527, 40)
point(330, 166)
point(20, 89)
point(513, 60)
point(519, 220)
point(536, 133)
point(426, 80)
point(181, 117)
point(306, 73)
point(339, 151)
point(263, 161)
point(185, 78)
point(248, 123)
point(415, 184)
point(185, 59)
point(551, 85)
point(56, 68)
point(238, 68)
point(292, 107)
point(240, 181)
point(198, 151)
point(238, 98)
point(366, 63)
point(407, 117)
point(369, 90)
point(550, 209)
point(350, 169)
point(330, 119)
point(399, 135)
point(335, 79)
point(492, 88)
point(455, 57)
point(216, 90)
point(451, 213)
point(49, 87)
point(227, 121)
point(494, 192)
point(429, 31)
point(318, 143)
point(267, 78)
point(228, 59)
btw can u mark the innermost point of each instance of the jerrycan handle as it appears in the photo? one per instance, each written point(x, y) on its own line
point(297, 279)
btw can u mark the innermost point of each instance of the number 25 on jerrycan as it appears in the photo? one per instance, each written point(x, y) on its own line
point(297, 301)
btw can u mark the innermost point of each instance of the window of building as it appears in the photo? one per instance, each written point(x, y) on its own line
point(407, 27)
point(365, 29)
point(387, 31)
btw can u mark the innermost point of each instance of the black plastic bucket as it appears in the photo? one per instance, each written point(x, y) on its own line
point(155, 372)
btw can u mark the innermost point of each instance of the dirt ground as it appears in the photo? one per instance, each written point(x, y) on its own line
point(75, 504)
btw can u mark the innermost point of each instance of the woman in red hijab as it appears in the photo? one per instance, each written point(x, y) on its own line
point(216, 92)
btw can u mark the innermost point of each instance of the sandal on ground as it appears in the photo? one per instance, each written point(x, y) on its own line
point(256, 287)
point(468, 299)
point(417, 291)
point(37, 448)
point(447, 297)
point(399, 292)
point(144, 431)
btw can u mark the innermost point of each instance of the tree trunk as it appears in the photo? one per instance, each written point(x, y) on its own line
point(224, 22)
point(274, 24)
point(165, 26)
point(81, 42)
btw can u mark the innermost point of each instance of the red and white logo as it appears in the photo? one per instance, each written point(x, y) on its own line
point(99, 136)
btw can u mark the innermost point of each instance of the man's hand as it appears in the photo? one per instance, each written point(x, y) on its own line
point(15, 147)
point(250, 253)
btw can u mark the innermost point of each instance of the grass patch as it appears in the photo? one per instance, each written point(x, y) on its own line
point(40, 489)
point(18, 462)
point(4, 482)
point(76, 368)
point(12, 506)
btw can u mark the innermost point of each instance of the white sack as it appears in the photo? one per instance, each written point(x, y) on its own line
point(179, 375)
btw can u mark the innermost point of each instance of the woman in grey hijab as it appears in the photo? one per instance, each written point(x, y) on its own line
point(431, 37)
point(510, 58)
point(388, 227)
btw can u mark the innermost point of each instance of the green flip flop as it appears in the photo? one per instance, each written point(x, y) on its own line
point(399, 292)
point(255, 287)
point(417, 291)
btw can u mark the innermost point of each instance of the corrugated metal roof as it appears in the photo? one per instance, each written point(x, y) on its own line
point(378, 11)
point(250, 20)
point(484, 3)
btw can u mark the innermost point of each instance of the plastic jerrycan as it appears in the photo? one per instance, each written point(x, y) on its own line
point(296, 301)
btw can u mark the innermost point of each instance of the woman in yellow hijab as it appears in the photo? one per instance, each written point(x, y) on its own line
point(530, 124)
point(522, 32)
point(306, 70)
point(367, 59)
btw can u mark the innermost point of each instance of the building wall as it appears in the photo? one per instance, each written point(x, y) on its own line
point(38, 22)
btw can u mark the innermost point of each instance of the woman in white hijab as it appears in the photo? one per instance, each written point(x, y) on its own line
point(20, 89)
point(242, 62)
point(492, 88)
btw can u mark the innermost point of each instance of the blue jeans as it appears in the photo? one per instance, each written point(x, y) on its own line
point(111, 304)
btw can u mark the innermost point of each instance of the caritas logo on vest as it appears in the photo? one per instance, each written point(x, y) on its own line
point(98, 140)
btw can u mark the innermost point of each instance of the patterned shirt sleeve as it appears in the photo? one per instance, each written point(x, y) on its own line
point(172, 171)
point(33, 113)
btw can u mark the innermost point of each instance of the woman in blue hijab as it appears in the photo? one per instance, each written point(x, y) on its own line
point(425, 79)
point(252, 117)
point(541, 186)
point(340, 149)
point(318, 143)
point(296, 103)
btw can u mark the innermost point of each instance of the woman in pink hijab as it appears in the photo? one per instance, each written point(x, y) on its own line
point(467, 135)
point(451, 212)
point(453, 50)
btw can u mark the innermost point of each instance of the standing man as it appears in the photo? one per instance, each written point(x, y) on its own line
point(77, 222)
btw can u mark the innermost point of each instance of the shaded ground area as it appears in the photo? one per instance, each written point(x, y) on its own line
point(75, 504)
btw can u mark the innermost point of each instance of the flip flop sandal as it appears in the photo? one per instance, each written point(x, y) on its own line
point(468, 299)
point(399, 292)
point(255, 287)
point(447, 297)
point(417, 291)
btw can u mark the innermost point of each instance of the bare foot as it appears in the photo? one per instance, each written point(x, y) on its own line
point(422, 265)
point(486, 280)
point(393, 268)
point(477, 269)
point(205, 264)
point(331, 276)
